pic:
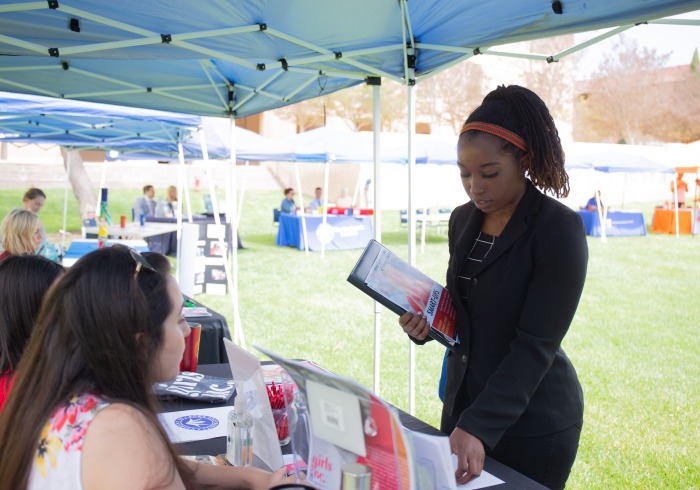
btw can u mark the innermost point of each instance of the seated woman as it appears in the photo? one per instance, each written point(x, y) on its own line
point(592, 203)
point(33, 200)
point(24, 280)
point(81, 413)
point(288, 206)
point(21, 232)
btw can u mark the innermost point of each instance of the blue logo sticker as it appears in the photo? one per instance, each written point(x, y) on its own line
point(196, 422)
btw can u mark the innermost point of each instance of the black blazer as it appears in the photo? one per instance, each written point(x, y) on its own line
point(509, 374)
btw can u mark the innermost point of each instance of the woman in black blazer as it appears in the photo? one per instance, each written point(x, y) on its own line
point(516, 271)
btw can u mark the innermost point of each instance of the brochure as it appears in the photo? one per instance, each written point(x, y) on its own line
point(382, 275)
point(347, 423)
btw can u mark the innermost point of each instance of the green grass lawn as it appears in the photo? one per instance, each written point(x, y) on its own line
point(634, 341)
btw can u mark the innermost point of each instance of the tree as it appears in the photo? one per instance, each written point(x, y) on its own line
point(306, 115)
point(449, 97)
point(352, 105)
point(80, 182)
point(622, 102)
point(553, 82)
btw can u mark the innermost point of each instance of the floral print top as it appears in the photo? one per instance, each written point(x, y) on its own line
point(57, 462)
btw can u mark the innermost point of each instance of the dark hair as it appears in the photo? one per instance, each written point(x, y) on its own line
point(33, 193)
point(159, 262)
point(99, 331)
point(522, 112)
point(147, 188)
point(288, 190)
point(24, 280)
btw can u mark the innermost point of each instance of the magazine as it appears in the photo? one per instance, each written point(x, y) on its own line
point(382, 275)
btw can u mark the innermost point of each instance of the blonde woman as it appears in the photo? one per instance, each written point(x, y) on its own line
point(21, 232)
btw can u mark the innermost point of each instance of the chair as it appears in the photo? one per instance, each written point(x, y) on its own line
point(275, 215)
point(403, 214)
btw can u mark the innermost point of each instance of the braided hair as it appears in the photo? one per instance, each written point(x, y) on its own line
point(521, 112)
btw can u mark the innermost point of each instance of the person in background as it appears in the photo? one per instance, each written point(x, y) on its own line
point(681, 187)
point(21, 232)
point(33, 201)
point(24, 280)
point(172, 200)
point(343, 200)
point(167, 208)
point(592, 204)
point(317, 201)
point(77, 418)
point(517, 267)
point(145, 205)
point(288, 206)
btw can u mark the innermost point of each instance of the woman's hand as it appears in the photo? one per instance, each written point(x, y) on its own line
point(414, 325)
point(470, 455)
point(263, 480)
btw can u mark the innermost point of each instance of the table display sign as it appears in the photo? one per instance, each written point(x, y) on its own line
point(209, 265)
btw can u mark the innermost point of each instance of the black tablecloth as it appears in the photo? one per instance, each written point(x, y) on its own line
point(211, 342)
point(513, 480)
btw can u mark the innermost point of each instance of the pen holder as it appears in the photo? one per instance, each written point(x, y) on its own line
point(276, 395)
point(282, 425)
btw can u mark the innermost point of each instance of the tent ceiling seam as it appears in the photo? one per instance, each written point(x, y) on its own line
point(224, 103)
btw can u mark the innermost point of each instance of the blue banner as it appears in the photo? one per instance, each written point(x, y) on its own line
point(338, 233)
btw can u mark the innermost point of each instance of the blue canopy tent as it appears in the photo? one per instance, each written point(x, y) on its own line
point(128, 132)
point(82, 125)
point(615, 162)
point(132, 132)
point(236, 59)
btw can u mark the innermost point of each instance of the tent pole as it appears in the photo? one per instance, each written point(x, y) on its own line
point(675, 201)
point(377, 129)
point(410, 89)
point(180, 185)
point(326, 176)
point(232, 218)
point(221, 237)
point(624, 184)
point(602, 217)
point(188, 197)
point(356, 194)
point(65, 198)
point(243, 184)
point(301, 209)
point(103, 178)
point(324, 220)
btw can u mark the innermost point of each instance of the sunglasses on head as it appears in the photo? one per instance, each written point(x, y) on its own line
point(141, 262)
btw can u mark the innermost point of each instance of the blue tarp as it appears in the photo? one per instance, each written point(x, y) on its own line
point(215, 57)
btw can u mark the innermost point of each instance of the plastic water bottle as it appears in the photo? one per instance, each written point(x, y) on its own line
point(239, 442)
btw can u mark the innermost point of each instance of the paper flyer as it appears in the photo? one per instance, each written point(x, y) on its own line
point(435, 464)
point(246, 367)
point(195, 425)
